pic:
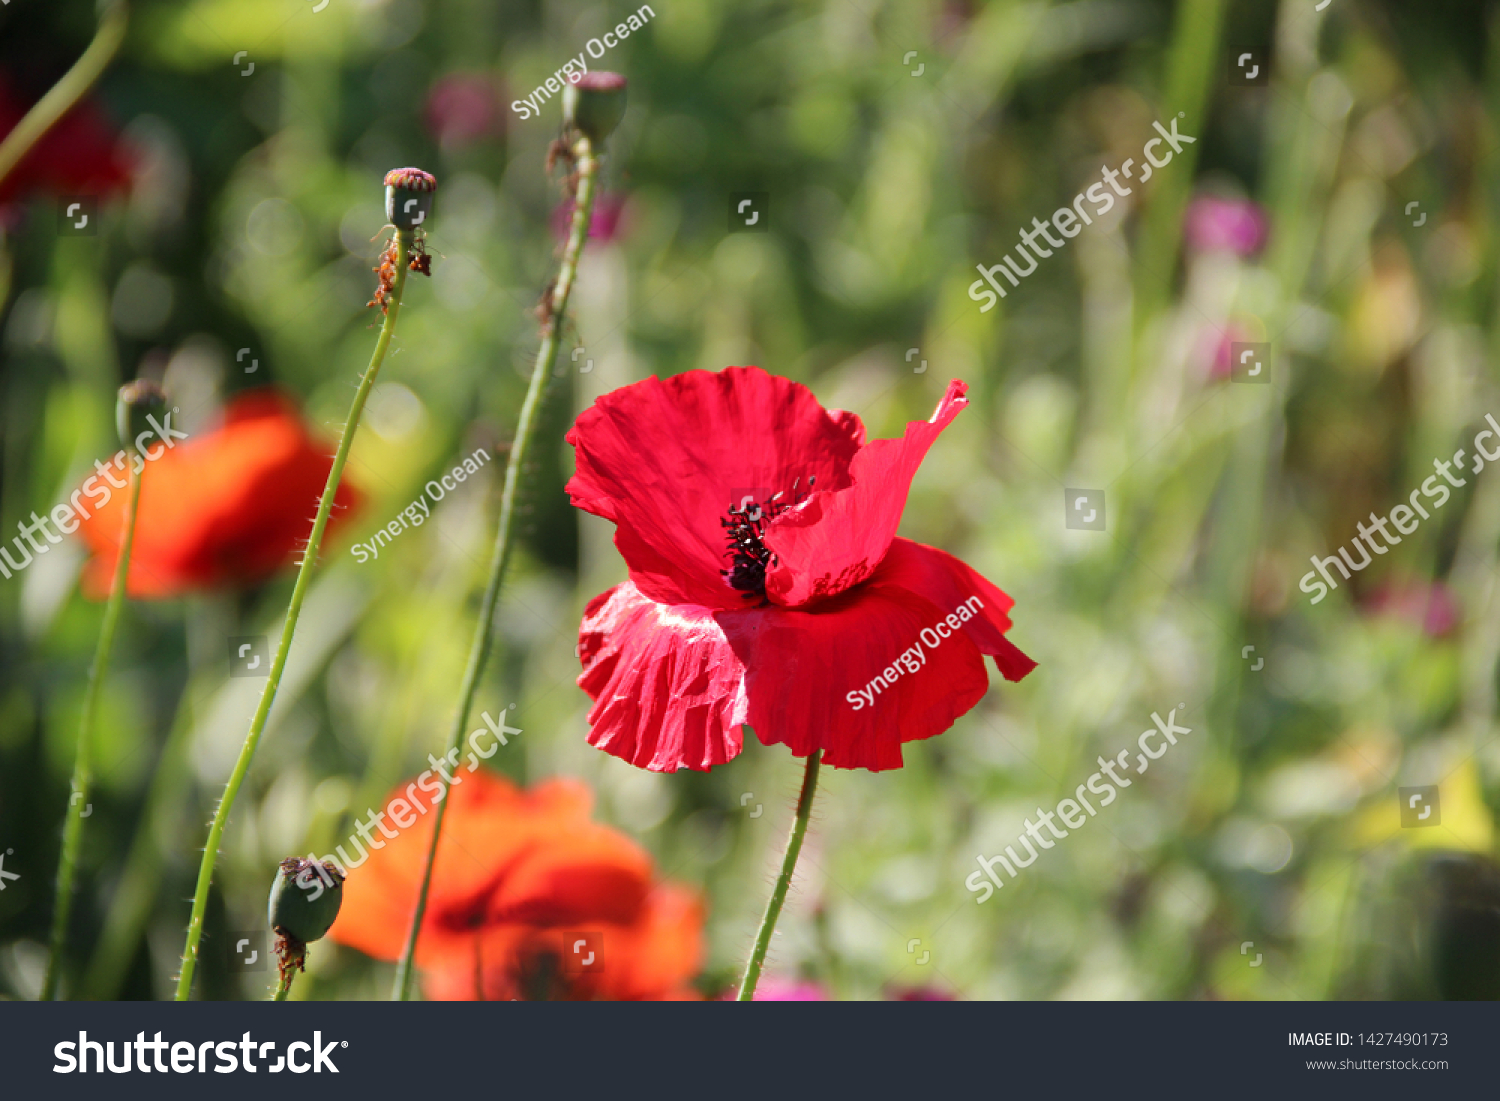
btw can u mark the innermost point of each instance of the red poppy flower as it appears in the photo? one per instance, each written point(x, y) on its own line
point(521, 878)
point(230, 506)
point(818, 626)
point(79, 155)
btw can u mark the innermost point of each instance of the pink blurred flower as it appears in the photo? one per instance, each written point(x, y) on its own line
point(464, 108)
point(1428, 604)
point(774, 988)
point(1215, 224)
point(607, 223)
point(1216, 348)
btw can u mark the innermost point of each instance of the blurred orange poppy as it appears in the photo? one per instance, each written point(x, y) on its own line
point(226, 507)
point(530, 900)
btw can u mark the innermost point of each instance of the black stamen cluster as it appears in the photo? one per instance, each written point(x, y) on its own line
point(744, 530)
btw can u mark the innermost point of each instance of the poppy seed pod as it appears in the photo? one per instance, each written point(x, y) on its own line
point(408, 196)
point(305, 898)
point(595, 104)
point(137, 403)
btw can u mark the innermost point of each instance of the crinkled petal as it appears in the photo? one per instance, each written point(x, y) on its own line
point(665, 458)
point(896, 660)
point(838, 538)
point(948, 582)
point(812, 673)
point(668, 689)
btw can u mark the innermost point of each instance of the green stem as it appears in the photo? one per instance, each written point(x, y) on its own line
point(78, 800)
point(136, 891)
point(783, 881)
point(67, 91)
point(479, 650)
point(284, 986)
point(294, 609)
point(1192, 64)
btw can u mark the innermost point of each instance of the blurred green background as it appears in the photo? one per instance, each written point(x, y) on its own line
point(250, 223)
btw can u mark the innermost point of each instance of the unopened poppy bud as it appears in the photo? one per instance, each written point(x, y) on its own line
point(138, 402)
point(408, 196)
point(595, 104)
point(305, 898)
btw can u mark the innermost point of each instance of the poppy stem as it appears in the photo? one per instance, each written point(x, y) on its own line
point(45, 113)
point(783, 881)
point(294, 609)
point(79, 806)
point(479, 651)
point(291, 957)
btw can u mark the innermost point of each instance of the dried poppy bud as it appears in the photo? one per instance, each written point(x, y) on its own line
point(139, 401)
point(305, 898)
point(595, 104)
point(408, 196)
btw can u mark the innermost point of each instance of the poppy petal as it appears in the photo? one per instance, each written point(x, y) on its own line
point(657, 956)
point(228, 506)
point(948, 583)
point(598, 875)
point(812, 675)
point(491, 827)
point(667, 687)
point(663, 459)
point(838, 538)
point(653, 958)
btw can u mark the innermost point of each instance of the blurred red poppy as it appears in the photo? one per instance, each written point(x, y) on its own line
point(80, 155)
point(529, 900)
point(228, 507)
point(817, 626)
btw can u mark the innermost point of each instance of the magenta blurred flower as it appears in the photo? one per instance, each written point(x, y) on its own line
point(773, 988)
point(918, 994)
point(1428, 604)
point(607, 223)
point(464, 108)
point(1215, 224)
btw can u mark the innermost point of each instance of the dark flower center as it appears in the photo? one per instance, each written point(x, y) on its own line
point(744, 531)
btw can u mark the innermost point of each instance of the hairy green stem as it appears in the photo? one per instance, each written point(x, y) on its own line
point(294, 609)
point(67, 91)
point(479, 650)
point(783, 881)
point(78, 801)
